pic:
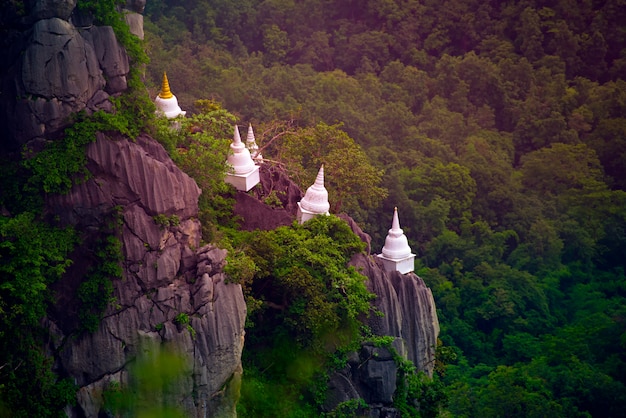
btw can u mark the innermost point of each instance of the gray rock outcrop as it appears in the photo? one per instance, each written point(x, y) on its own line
point(408, 307)
point(45, 9)
point(134, 18)
point(52, 69)
point(173, 292)
point(407, 304)
point(271, 204)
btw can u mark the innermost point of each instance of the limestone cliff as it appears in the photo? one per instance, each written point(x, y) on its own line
point(166, 274)
point(56, 63)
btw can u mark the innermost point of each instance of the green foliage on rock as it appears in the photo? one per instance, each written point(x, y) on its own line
point(199, 146)
point(309, 306)
point(353, 182)
point(33, 255)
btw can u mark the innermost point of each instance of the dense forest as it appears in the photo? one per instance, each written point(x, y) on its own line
point(499, 131)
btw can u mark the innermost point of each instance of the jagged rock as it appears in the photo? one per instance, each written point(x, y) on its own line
point(59, 74)
point(371, 376)
point(280, 208)
point(55, 74)
point(378, 374)
point(163, 277)
point(135, 23)
point(254, 214)
point(112, 57)
point(45, 9)
point(340, 389)
point(91, 395)
point(99, 101)
point(54, 70)
point(59, 64)
point(130, 173)
point(136, 5)
point(408, 307)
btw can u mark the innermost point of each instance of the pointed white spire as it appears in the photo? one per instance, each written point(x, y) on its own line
point(240, 159)
point(252, 146)
point(396, 254)
point(315, 200)
point(244, 174)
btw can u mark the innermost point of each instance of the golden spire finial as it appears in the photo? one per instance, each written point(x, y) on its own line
point(165, 88)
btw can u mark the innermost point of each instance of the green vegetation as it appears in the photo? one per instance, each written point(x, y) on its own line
point(199, 146)
point(96, 289)
point(165, 221)
point(106, 13)
point(307, 306)
point(33, 255)
point(155, 376)
point(498, 129)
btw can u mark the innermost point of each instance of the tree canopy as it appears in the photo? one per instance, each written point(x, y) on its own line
point(497, 129)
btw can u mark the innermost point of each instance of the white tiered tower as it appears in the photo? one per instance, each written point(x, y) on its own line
point(396, 254)
point(315, 200)
point(243, 174)
point(166, 103)
point(252, 146)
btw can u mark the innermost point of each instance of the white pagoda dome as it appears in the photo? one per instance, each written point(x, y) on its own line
point(166, 103)
point(315, 200)
point(396, 255)
point(243, 174)
point(252, 146)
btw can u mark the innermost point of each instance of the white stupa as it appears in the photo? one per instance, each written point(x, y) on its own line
point(166, 103)
point(252, 146)
point(315, 200)
point(396, 254)
point(243, 173)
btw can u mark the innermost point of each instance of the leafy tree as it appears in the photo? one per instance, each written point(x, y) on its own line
point(310, 304)
point(351, 180)
point(199, 146)
point(450, 182)
point(32, 256)
point(562, 167)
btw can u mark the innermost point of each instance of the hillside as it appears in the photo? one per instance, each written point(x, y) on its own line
point(499, 128)
point(130, 267)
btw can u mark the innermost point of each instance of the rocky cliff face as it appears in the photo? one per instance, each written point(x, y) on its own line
point(166, 274)
point(55, 63)
point(409, 314)
point(172, 292)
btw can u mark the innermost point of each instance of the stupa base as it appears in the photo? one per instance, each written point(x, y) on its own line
point(244, 182)
point(403, 265)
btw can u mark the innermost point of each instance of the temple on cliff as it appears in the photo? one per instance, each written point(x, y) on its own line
point(166, 103)
point(252, 146)
point(243, 173)
point(396, 255)
point(315, 200)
